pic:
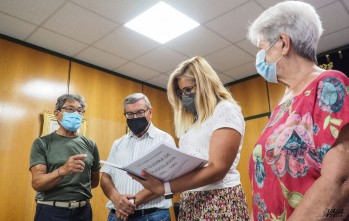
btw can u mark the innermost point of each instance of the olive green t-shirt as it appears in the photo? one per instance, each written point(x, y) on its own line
point(53, 151)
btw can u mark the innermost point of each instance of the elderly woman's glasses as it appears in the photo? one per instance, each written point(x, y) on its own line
point(131, 115)
point(185, 90)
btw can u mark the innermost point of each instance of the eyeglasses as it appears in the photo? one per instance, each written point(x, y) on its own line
point(185, 90)
point(72, 110)
point(131, 115)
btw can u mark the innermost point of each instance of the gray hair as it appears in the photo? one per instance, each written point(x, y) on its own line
point(70, 97)
point(298, 20)
point(133, 98)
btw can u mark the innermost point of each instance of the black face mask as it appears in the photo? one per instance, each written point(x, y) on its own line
point(188, 102)
point(137, 125)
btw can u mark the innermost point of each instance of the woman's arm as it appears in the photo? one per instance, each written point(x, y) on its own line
point(223, 149)
point(328, 197)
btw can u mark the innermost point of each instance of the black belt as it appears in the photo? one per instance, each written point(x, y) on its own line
point(141, 212)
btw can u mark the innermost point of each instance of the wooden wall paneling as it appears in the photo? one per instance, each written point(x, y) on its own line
point(30, 82)
point(252, 96)
point(104, 94)
point(162, 111)
point(254, 127)
point(276, 92)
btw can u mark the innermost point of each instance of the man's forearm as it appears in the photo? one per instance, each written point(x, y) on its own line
point(108, 187)
point(95, 179)
point(144, 196)
point(45, 181)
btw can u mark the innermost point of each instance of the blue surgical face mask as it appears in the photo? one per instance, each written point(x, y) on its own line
point(266, 70)
point(71, 121)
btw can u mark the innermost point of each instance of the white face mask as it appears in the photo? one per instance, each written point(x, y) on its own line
point(266, 70)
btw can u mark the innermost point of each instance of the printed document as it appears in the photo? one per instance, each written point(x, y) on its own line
point(163, 161)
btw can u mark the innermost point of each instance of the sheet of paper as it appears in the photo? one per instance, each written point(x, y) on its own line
point(111, 164)
point(119, 167)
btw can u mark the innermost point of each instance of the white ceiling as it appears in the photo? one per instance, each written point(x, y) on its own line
point(93, 31)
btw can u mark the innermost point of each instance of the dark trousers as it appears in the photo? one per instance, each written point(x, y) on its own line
point(53, 213)
point(159, 215)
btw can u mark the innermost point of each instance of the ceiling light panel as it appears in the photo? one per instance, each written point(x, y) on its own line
point(162, 23)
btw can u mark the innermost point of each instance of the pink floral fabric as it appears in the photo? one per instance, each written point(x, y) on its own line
point(287, 158)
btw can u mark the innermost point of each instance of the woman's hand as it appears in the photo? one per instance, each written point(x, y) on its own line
point(149, 182)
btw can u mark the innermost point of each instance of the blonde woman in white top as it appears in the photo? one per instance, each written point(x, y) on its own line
point(209, 124)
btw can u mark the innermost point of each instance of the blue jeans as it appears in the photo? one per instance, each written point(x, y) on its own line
point(159, 215)
point(53, 213)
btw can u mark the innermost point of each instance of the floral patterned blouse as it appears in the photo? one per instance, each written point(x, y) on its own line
point(287, 158)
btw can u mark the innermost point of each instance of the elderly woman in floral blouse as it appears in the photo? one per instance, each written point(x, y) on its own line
point(299, 168)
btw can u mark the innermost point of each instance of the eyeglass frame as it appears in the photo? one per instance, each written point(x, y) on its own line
point(72, 110)
point(185, 91)
point(139, 113)
point(271, 45)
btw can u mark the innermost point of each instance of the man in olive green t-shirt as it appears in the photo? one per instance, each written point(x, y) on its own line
point(65, 166)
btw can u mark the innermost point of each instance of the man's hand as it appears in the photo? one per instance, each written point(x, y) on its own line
point(125, 206)
point(74, 164)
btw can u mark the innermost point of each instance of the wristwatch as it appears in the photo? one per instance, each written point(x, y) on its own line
point(168, 194)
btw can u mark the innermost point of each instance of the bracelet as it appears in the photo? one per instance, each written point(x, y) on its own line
point(58, 172)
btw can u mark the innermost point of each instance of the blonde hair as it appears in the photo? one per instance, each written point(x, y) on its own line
point(209, 92)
